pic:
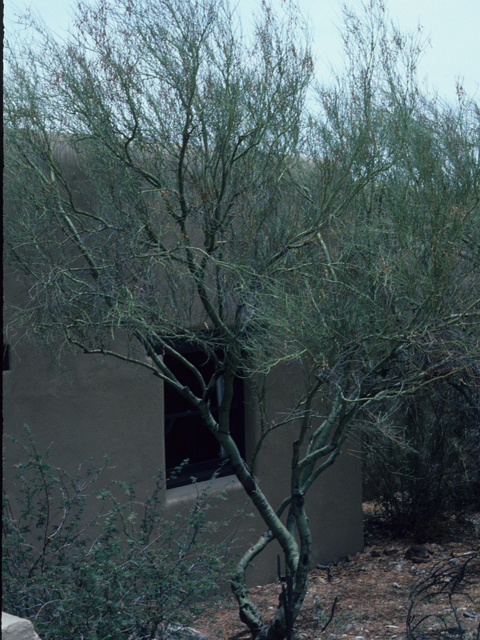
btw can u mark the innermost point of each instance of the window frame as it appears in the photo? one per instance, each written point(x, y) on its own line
point(196, 439)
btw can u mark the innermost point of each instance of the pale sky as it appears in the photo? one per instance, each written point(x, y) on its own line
point(452, 26)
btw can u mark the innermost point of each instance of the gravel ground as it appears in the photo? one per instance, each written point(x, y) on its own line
point(372, 591)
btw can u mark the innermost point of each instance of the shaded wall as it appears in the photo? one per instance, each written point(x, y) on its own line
point(99, 406)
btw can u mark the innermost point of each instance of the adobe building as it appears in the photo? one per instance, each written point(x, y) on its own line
point(98, 406)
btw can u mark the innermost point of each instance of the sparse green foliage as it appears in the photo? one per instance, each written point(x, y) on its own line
point(93, 564)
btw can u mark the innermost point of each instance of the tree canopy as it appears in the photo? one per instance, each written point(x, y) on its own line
point(167, 178)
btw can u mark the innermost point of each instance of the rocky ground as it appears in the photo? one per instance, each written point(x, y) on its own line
point(372, 591)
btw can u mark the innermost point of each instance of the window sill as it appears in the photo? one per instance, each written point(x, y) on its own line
point(191, 491)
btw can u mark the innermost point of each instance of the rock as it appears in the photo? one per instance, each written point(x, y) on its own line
point(391, 551)
point(418, 560)
point(15, 628)
point(375, 554)
point(420, 550)
point(418, 554)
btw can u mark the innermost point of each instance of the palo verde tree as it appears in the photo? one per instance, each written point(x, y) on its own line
point(165, 180)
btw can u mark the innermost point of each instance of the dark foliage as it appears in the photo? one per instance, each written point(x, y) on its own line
point(426, 465)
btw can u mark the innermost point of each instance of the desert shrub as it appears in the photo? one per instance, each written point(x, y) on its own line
point(124, 572)
point(423, 464)
point(436, 601)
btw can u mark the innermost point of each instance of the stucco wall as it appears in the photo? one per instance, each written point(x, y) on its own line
point(100, 406)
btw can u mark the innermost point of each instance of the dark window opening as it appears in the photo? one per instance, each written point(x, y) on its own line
point(6, 357)
point(186, 437)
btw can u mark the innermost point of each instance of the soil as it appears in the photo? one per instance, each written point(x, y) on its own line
point(372, 591)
